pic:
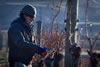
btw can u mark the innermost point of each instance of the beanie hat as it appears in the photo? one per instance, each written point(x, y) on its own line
point(29, 10)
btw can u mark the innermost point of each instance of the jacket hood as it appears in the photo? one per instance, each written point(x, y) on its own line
point(19, 20)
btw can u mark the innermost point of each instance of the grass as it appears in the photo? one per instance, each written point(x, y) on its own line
point(3, 58)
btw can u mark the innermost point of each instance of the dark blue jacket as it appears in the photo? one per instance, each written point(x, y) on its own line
point(20, 43)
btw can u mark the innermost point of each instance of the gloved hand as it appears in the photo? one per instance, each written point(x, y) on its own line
point(43, 50)
point(47, 49)
point(44, 54)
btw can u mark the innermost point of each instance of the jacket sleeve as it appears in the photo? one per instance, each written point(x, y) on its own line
point(16, 36)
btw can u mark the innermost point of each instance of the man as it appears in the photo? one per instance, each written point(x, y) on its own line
point(21, 48)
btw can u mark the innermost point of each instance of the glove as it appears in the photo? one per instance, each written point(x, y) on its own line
point(43, 54)
point(42, 50)
point(47, 49)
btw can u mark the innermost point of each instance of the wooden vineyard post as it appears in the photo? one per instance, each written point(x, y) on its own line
point(70, 28)
point(38, 31)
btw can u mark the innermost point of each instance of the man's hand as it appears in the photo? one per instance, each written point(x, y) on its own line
point(43, 51)
point(43, 54)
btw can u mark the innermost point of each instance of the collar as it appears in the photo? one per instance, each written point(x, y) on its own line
point(30, 27)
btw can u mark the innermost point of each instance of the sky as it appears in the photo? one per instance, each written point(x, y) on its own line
point(10, 9)
point(93, 13)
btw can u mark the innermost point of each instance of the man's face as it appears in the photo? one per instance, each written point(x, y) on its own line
point(28, 19)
